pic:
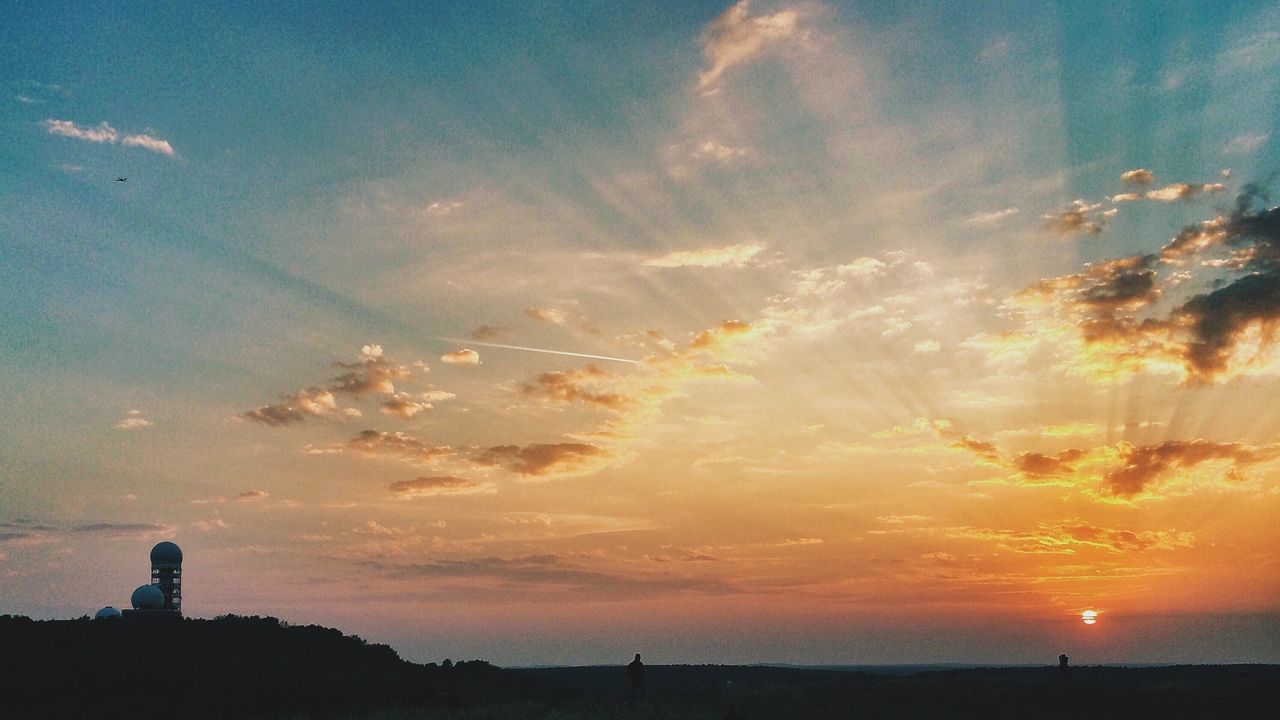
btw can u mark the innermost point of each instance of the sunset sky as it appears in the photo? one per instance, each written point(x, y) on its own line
point(548, 333)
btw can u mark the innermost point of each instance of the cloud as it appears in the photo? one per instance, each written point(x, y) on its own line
point(22, 533)
point(861, 268)
point(1145, 466)
point(577, 385)
point(392, 445)
point(1071, 537)
point(547, 315)
point(556, 574)
point(465, 356)
point(125, 530)
point(488, 332)
point(1122, 470)
point(406, 405)
point(985, 450)
point(315, 402)
point(104, 133)
point(1079, 217)
point(251, 496)
point(146, 142)
point(737, 256)
point(717, 152)
point(439, 485)
point(1245, 144)
point(1182, 191)
point(1140, 177)
point(735, 37)
point(211, 525)
point(134, 420)
point(1141, 180)
point(927, 347)
point(540, 460)
point(372, 372)
point(717, 336)
point(994, 217)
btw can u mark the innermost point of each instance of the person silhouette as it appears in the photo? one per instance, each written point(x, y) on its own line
point(1062, 665)
point(635, 673)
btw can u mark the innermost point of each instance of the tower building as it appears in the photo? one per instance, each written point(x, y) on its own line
point(166, 574)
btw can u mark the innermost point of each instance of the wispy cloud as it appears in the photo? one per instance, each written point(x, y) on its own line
point(1245, 144)
point(739, 255)
point(146, 142)
point(994, 217)
point(737, 37)
point(104, 133)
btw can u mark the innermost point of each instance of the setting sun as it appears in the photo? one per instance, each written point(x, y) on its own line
point(1089, 617)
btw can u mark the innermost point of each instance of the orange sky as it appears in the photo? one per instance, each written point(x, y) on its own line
point(821, 334)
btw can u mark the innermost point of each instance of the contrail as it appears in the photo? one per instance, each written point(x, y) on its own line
point(539, 350)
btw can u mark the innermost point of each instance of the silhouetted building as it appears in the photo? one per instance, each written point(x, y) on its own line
point(1062, 665)
point(162, 598)
point(166, 573)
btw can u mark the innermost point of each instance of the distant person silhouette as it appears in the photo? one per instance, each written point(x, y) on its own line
point(733, 713)
point(1062, 665)
point(635, 673)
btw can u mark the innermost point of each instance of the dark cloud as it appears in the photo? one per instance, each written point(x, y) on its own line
point(557, 574)
point(488, 332)
point(1218, 320)
point(1147, 465)
point(276, 415)
point(1213, 335)
point(542, 459)
point(1079, 217)
point(438, 485)
point(136, 530)
point(1124, 470)
point(394, 445)
point(1040, 465)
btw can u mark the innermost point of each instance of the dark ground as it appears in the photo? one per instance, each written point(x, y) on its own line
point(236, 667)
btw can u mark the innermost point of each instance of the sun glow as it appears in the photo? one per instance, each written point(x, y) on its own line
point(1089, 617)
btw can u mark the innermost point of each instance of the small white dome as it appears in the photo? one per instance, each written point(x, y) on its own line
point(107, 613)
point(147, 597)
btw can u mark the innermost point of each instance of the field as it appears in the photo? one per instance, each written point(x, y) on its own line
point(691, 692)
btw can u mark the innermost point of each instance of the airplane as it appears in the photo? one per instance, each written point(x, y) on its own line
point(120, 179)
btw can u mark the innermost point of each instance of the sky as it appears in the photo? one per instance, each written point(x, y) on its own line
point(548, 333)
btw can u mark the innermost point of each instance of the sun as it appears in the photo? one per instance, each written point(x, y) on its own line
point(1089, 617)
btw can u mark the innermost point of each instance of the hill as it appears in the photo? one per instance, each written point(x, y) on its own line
point(243, 667)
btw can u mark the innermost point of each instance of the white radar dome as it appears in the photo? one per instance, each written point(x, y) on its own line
point(106, 613)
point(147, 597)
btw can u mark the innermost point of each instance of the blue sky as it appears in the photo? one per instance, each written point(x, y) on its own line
point(816, 229)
